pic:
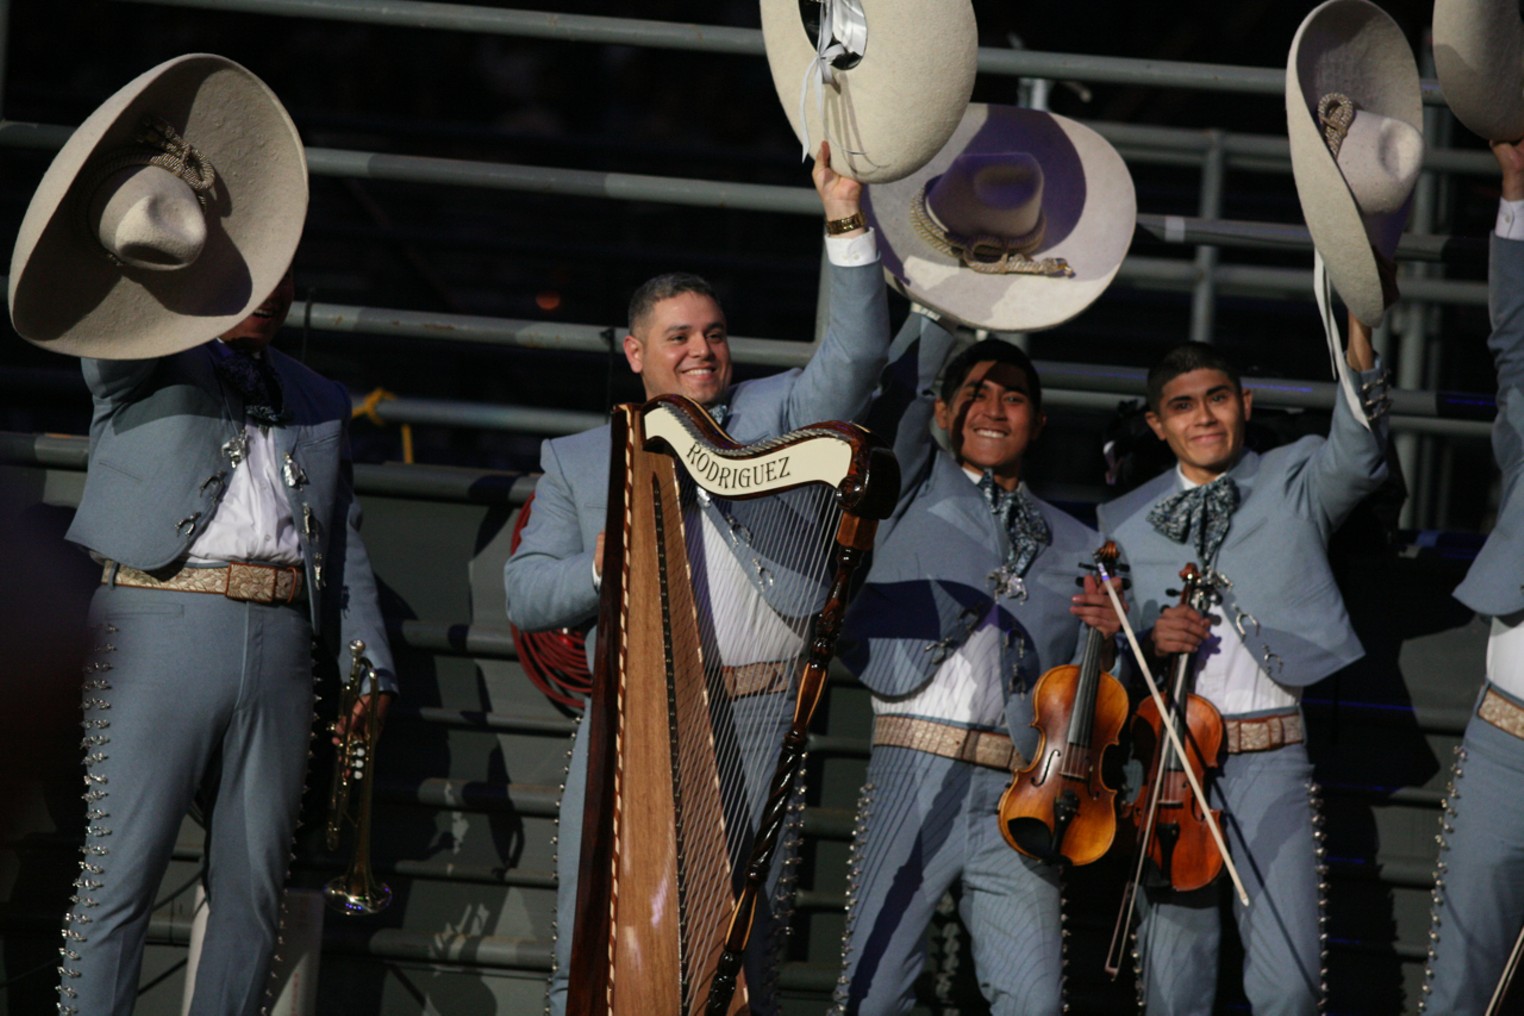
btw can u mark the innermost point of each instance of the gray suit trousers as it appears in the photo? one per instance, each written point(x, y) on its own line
point(1479, 896)
point(1268, 801)
point(184, 692)
point(925, 823)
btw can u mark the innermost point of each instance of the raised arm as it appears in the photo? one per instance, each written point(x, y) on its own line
point(838, 381)
point(902, 411)
point(1351, 464)
point(1505, 298)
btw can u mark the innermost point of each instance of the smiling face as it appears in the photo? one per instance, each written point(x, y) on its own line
point(1202, 416)
point(681, 347)
point(254, 332)
point(991, 420)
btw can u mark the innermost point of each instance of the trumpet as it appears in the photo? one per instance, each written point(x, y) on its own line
point(355, 892)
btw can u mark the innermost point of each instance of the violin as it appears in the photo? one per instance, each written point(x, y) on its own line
point(1179, 837)
point(1059, 806)
point(1173, 831)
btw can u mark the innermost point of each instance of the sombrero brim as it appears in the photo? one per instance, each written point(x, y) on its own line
point(1353, 47)
point(892, 111)
point(1089, 205)
point(1479, 59)
point(66, 295)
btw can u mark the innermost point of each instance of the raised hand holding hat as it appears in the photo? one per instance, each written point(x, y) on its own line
point(166, 218)
point(1354, 118)
point(884, 81)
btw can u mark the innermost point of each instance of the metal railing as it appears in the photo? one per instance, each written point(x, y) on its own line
point(1205, 275)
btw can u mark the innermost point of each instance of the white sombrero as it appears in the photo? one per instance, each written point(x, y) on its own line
point(1479, 57)
point(1019, 223)
point(167, 217)
point(1354, 117)
point(894, 90)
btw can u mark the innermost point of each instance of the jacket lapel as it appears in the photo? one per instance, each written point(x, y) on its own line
point(950, 501)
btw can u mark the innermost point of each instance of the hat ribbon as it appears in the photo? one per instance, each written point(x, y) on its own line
point(987, 255)
point(843, 29)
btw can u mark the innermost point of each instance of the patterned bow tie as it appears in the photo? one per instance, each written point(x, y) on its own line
point(1204, 512)
point(1024, 524)
point(255, 381)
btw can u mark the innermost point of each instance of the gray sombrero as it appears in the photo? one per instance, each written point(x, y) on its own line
point(167, 217)
point(895, 90)
point(1479, 58)
point(1019, 223)
point(1354, 117)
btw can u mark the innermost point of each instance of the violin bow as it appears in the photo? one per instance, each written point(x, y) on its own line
point(1509, 969)
point(1174, 738)
point(1113, 963)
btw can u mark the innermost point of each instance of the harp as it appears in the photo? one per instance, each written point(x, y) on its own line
point(725, 576)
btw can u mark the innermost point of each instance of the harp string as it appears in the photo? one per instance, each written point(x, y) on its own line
point(760, 571)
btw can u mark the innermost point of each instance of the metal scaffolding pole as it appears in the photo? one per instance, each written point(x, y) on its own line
point(1204, 293)
point(1269, 393)
point(1267, 81)
point(1417, 362)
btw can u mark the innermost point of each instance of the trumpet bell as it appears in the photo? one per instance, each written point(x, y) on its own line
point(357, 901)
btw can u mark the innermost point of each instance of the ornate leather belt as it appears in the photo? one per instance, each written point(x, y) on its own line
point(254, 583)
point(981, 747)
point(1262, 733)
point(765, 678)
point(1502, 712)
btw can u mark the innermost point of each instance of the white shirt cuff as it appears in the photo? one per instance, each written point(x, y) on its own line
point(1511, 219)
point(851, 251)
point(597, 579)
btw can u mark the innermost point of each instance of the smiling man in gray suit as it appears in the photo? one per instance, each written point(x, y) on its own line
point(677, 344)
point(1259, 525)
point(971, 597)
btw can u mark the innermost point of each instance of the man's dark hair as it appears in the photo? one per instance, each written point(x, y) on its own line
point(1183, 359)
point(956, 371)
point(664, 287)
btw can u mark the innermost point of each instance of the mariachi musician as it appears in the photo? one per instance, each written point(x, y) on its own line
point(973, 591)
point(678, 345)
point(218, 500)
point(1261, 523)
point(1479, 876)
point(1259, 526)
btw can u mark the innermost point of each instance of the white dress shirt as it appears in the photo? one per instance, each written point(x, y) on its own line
point(1227, 674)
point(253, 520)
point(966, 690)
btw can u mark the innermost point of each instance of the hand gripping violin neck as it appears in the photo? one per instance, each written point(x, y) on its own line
point(1178, 839)
point(1172, 830)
